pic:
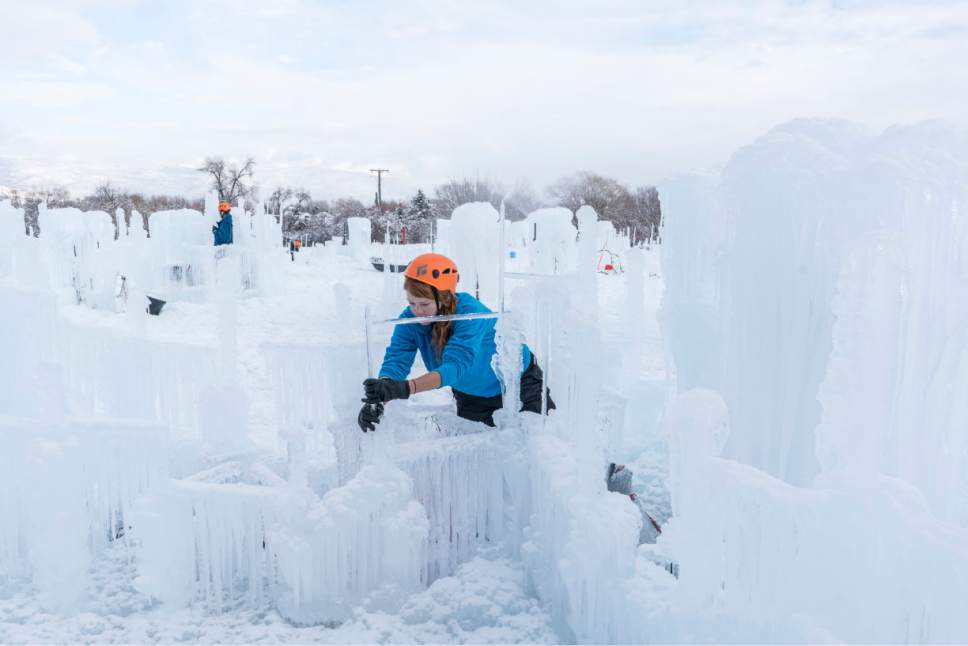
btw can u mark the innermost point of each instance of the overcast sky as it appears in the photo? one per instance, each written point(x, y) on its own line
point(140, 92)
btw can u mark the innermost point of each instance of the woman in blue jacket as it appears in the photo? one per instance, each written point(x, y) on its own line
point(456, 353)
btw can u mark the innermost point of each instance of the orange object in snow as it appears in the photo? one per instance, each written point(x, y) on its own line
point(223, 207)
point(297, 244)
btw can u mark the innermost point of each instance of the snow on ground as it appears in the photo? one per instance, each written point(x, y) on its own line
point(484, 602)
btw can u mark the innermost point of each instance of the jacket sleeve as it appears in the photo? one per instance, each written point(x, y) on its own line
point(398, 359)
point(220, 232)
point(461, 348)
point(223, 231)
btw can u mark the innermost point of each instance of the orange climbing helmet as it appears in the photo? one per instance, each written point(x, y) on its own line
point(224, 207)
point(435, 270)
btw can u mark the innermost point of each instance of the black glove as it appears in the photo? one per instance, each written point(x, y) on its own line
point(369, 417)
point(385, 389)
point(214, 229)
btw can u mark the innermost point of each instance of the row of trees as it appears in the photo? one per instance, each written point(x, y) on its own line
point(636, 212)
point(106, 197)
point(231, 182)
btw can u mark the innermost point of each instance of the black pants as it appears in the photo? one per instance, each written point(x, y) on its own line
point(481, 409)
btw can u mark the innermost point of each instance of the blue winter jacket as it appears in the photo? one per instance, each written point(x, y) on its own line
point(223, 231)
point(465, 363)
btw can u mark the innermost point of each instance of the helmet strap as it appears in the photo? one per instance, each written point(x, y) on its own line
point(436, 298)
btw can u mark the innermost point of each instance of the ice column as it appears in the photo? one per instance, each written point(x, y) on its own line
point(474, 236)
point(552, 246)
point(693, 236)
point(360, 234)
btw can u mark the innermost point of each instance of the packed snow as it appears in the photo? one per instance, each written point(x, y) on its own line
point(780, 376)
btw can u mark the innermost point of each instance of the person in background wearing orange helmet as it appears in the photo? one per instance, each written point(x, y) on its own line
point(456, 353)
point(223, 230)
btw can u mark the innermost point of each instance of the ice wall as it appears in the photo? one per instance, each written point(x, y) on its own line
point(66, 490)
point(442, 237)
point(360, 235)
point(368, 536)
point(580, 547)
point(693, 241)
point(753, 264)
point(856, 559)
point(54, 367)
point(314, 391)
point(474, 246)
point(11, 230)
point(889, 395)
point(471, 487)
point(111, 373)
point(73, 240)
point(31, 384)
point(315, 559)
point(552, 246)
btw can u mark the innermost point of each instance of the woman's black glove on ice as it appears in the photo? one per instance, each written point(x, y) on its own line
point(385, 389)
point(369, 417)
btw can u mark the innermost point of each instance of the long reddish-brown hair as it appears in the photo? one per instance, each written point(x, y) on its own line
point(446, 304)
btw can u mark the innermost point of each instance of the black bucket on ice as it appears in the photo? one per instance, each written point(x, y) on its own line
point(155, 305)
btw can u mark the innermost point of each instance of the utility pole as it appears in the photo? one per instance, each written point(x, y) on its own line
point(379, 186)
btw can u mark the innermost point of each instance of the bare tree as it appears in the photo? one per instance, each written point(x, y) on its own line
point(521, 201)
point(648, 215)
point(638, 214)
point(110, 198)
point(454, 193)
point(229, 181)
point(276, 199)
point(603, 194)
point(148, 206)
point(53, 196)
point(348, 207)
